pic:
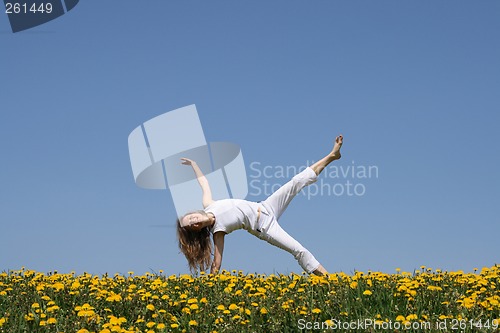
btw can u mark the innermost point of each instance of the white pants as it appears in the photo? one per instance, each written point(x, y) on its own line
point(274, 206)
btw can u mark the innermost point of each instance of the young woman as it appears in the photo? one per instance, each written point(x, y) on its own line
point(221, 217)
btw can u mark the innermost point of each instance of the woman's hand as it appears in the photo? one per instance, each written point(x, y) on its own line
point(187, 161)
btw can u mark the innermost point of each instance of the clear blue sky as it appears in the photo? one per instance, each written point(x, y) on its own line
point(413, 86)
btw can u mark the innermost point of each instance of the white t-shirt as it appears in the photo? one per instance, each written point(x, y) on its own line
point(234, 214)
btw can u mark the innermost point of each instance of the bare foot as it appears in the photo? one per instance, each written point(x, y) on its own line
point(336, 149)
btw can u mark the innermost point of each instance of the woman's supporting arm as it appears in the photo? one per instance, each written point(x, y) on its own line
point(202, 180)
point(218, 250)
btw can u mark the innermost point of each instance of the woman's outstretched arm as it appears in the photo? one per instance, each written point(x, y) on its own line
point(202, 180)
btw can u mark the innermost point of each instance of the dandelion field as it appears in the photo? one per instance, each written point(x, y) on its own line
point(422, 301)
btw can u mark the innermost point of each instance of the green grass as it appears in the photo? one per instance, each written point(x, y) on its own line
point(426, 301)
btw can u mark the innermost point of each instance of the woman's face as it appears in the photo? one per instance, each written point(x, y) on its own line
point(195, 221)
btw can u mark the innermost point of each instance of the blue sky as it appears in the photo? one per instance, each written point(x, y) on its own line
point(413, 86)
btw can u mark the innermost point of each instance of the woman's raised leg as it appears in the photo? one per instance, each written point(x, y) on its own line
point(279, 200)
point(334, 155)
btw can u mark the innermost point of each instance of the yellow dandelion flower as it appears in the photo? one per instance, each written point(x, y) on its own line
point(150, 324)
point(263, 311)
point(221, 307)
point(150, 307)
point(58, 286)
point(468, 302)
point(367, 292)
point(401, 318)
point(53, 308)
point(114, 298)
point(434, 288)
point(174, 325)
point(117, 321)
point(51, 321)
point(411, 317)
point(316, 310)
point(160, 326)
point(233, 307)
point(193, 323)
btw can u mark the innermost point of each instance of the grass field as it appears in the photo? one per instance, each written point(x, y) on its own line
point(422, 301)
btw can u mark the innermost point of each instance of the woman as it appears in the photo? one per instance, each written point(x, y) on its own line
point(260, 219)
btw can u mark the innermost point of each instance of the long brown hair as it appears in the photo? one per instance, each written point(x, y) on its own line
point(196, 246)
